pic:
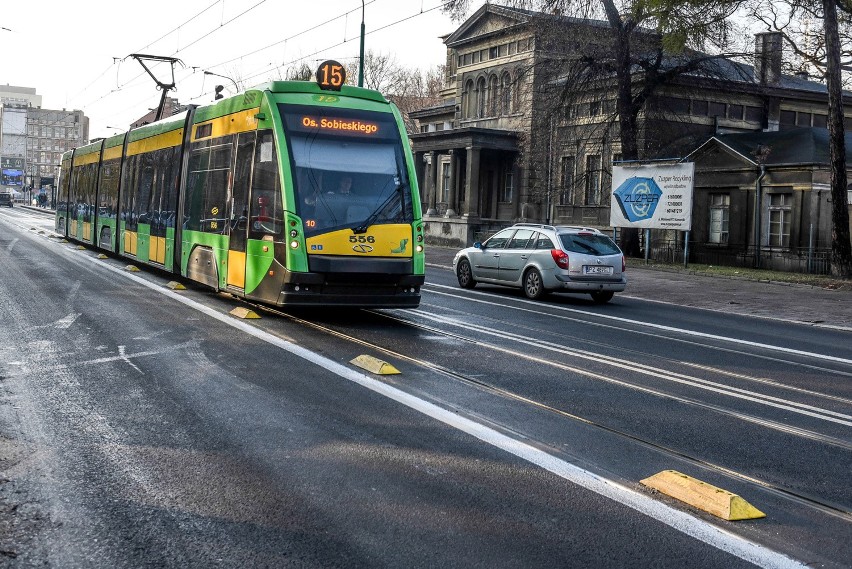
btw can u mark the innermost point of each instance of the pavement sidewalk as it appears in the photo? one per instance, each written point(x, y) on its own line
point(780, 301)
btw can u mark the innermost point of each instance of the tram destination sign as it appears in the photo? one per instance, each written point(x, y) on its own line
point(652, 196)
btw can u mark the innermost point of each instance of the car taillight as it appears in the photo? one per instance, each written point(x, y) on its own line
point(623, 264)
point(561, 257)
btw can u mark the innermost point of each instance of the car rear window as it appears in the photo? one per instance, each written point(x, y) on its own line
point(589, 244)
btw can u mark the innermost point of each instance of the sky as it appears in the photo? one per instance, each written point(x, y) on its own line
point(75, 54)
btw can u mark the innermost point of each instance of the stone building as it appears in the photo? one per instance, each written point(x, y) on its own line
point(32, 139)
point(503, 146)
point(770, 188)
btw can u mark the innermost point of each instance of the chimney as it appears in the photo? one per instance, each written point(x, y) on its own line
point(767, 58)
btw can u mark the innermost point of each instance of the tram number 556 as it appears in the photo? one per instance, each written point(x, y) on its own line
point(331, 75)
point(362, 239)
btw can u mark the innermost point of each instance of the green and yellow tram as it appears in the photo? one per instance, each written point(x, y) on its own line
point(287, 194)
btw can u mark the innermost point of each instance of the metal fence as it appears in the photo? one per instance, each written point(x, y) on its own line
point(793, 260)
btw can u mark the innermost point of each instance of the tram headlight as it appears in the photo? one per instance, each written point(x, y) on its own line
point(294, 244)
point(294, 233)
point(420, 248)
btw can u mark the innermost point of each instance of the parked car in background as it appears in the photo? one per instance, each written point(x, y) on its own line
point(6, 199)
point(545, 258)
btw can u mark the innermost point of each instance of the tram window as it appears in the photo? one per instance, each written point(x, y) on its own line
point(207, 187)
point(199, 161)
point(167, 169)
point(108, 190)
point(86, 193)
point(128, 194)
point(240, 190)
point(164, 197)
point(266, 208)
point(145, 190)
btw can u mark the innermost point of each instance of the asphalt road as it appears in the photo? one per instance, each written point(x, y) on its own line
point(770, 300)
point(145, 427)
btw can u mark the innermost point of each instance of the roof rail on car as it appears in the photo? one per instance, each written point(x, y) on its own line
point(539, 225)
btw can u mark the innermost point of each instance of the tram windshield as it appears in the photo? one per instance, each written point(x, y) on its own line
point(348, 167)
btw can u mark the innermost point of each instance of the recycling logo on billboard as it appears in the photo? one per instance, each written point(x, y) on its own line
point(638, 198)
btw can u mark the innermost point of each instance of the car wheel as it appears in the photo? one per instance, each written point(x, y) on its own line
point(602, 296)
point(464, 274)
point(533, 284)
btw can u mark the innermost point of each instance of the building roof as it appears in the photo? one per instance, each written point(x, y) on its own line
point(443, 107)
point(785, 147)
point(745, 73)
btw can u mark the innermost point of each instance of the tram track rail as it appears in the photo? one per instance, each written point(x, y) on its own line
point(811, 502)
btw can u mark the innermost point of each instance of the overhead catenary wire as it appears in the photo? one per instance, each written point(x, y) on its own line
point(285, 40)
point(222, 25)
point(117, 61)
point(270, 67)
point(167, 34)
point(302, 58)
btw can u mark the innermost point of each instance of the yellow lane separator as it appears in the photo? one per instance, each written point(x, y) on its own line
point(703, 496)
point(242, 312)
point(374, 365)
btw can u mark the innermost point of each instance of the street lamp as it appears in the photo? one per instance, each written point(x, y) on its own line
point(361, 59)
point(237, 87)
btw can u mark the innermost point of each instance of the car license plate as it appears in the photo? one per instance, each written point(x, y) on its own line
point(597, 270)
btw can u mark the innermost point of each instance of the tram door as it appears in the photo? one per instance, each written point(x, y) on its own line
point(238, 225)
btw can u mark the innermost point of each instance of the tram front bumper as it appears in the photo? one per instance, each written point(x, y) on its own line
point(362, 290)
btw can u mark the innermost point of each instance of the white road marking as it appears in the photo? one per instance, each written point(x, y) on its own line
point(663, 327)
point(676, 519)
point(66, 322)
point(126, 359)
point(753, 396)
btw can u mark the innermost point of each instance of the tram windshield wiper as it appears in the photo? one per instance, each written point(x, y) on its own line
point(386, 205)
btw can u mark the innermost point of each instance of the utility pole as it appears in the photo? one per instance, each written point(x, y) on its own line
point(361, 58)
point(166, 87)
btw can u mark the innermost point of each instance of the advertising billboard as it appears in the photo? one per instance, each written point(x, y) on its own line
point(11, 177)
point(652, 196)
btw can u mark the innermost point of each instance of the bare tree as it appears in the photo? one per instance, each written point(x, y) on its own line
point(409, 89)
point(841, 248)
point(299, 72)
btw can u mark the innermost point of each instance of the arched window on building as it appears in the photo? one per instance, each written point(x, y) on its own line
point(506, 94)
point(481, 97)
point(468, 100)
point(493, 96)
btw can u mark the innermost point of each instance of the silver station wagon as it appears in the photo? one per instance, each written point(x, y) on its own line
point(545, 258)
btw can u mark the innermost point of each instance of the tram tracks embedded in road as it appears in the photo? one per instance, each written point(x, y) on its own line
point(785, 493)
point(648, 370)
point(587, 318)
